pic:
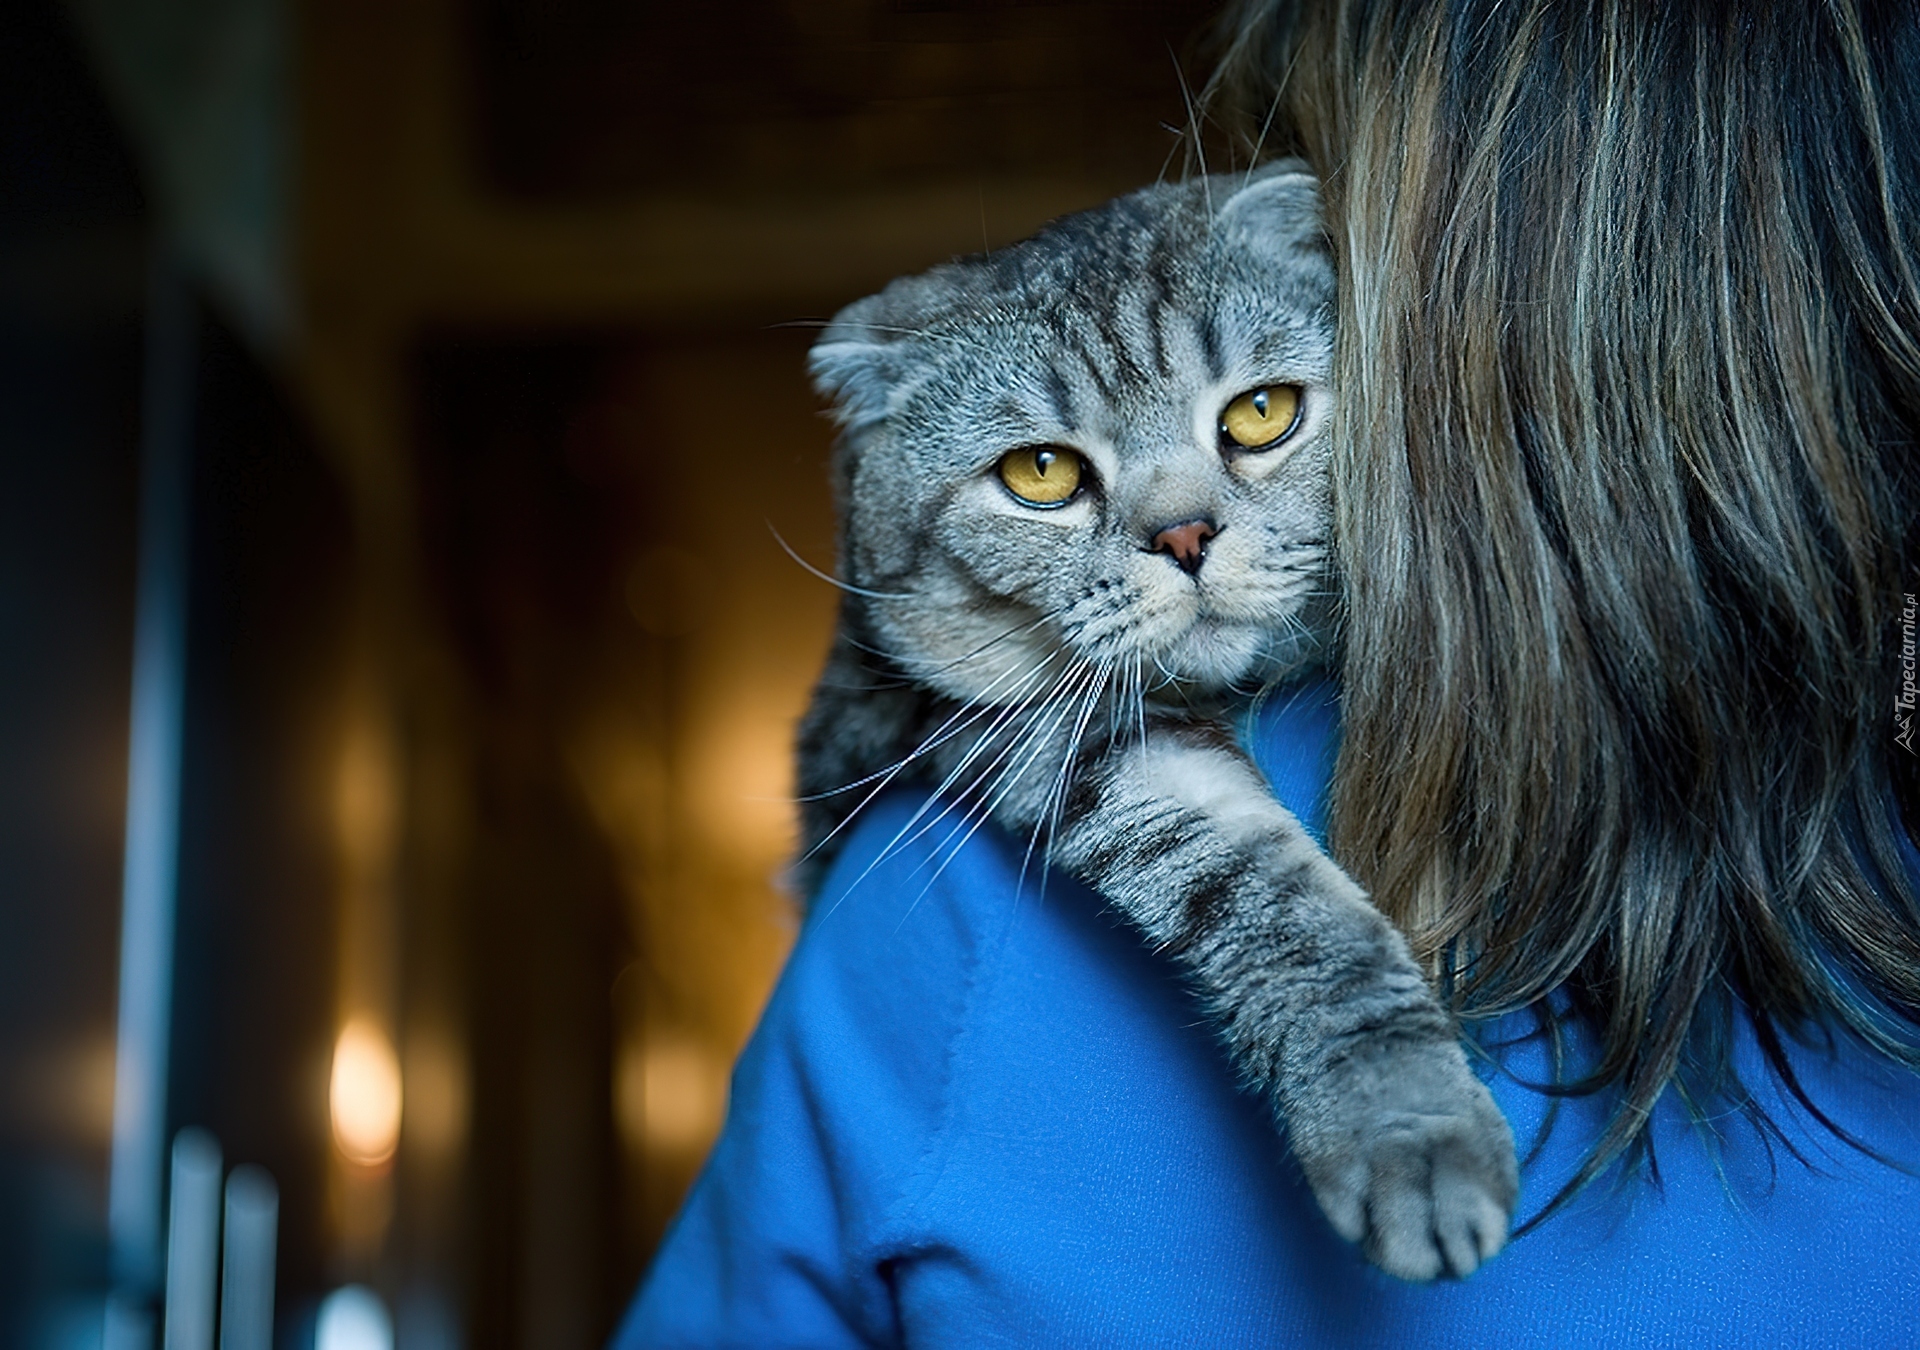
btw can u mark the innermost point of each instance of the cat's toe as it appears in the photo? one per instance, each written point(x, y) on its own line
point(1422, 1173)
point(1440, 1200)
point(1472, 1209)
point(1402, 1237)
point(1461, 1182)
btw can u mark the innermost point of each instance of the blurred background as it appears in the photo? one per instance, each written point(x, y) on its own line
point(397, 661)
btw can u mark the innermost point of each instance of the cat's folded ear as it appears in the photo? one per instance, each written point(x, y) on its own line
point(861, 357)
point(1274, 211)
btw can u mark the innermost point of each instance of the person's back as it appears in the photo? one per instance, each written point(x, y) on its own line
point(981, 1114)
point(1628, 376)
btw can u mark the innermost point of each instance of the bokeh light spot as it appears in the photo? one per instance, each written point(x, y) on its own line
point(364, 1094)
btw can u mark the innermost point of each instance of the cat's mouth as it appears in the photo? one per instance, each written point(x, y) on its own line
point(1213, 655)
point(1184, 640)
point(1177, 644)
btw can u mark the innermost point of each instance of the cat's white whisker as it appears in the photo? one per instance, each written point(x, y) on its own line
point(906, 834)
point(1010, 778)
point(894, 770)
point(1094, 685)
point(927, 669)
point(1002, 714)
point(981, 797)
point(1049, 820)
point(997, 767)
point(1062, 690)
point(962, 717)
point(829, 578)
point(1137, 687)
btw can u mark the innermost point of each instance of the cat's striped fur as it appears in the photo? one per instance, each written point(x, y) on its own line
point(1065, 672)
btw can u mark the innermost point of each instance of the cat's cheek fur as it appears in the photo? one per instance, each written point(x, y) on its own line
point(962, 644)
point(1007, 552)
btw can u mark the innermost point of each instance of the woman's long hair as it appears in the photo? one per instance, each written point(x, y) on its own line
point(1629, 372)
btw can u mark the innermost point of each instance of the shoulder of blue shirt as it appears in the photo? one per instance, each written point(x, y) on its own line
point(949, 1003)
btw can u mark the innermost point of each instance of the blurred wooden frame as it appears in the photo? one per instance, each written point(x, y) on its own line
point(397, 235)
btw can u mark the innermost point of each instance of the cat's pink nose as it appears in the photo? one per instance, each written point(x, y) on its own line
point(1185, 543)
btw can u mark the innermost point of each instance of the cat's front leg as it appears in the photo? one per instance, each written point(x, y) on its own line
point(1316, 995)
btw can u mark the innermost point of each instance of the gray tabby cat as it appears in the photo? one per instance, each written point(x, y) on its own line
point(1084, 504)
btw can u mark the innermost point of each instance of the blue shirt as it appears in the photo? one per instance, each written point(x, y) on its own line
point(979, 1112)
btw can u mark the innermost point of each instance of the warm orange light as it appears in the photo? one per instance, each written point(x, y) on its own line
point(365, 1094)
point(684, 1099)
point(669, 1094)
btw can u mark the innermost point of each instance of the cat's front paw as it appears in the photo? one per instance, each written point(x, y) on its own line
point(1409, 1157)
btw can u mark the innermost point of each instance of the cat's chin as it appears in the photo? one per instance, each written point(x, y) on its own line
point(1215, 655)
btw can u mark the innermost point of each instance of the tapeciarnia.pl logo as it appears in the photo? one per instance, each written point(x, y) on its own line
point(1903, 702)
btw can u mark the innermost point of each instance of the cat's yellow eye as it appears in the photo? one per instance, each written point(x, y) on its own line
point(1042, 475)
point(1261, 417)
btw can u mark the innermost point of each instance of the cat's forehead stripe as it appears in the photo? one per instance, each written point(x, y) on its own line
point(1060, 396)
point(1101, 315)
point(1159, 300)
point(1127, 367)
point(1079, 346)
point(1210, 345)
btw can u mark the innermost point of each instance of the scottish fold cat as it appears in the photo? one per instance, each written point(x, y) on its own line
point(1084, 515)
